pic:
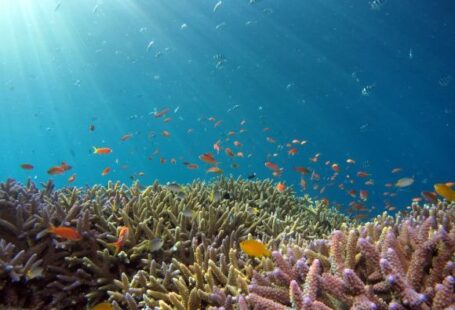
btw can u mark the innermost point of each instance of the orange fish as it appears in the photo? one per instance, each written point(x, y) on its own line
point(56, 170)
point(254, 248)
point(192, 166)
point(217, 124)
point(27, 166)
point(72, 178)
point(165, 133)
point(208, 158)
point(229, 152)
point(240, 154)
point(167, 120)
point(362, 174)
point(122, 237)
point(281, 187)
point(237, 143)
point(161, 113)
point(126, 136)
point(430, 197)
point(231, 133)
point(102, 150)
point(216, 170)
point(105, 171)
point(335, 167)
point(302, 170)
point(292, 151)
point(272, 166)
point(68, 233)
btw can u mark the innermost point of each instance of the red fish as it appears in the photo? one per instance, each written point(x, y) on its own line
point(27, 166)
point(363, 195)
point(281, 187)
point(122, 237)
point(216, 170)
point(68, 233)
point(362, 174)
point(335, 167)
point(303, 170)
point(56, 170)
point(102, 150)
point(292, 151)
point(105, 171)
point(72, 178)
point(208, 158)
point(229, 152)
point(161, 113)
point(272, 166)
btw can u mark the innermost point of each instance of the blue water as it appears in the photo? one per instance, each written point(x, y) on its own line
point(296, 67)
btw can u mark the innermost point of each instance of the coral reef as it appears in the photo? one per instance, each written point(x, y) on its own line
point(405, 262)
point(182, 250)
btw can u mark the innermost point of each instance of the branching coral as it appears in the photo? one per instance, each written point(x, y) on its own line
point(406, 264)
point(181, 252)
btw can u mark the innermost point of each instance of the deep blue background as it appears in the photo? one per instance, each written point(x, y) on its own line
point(67, 64)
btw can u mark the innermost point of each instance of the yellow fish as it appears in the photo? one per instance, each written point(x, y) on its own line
point(254, 248)
point(103, 306)
point(445, 191)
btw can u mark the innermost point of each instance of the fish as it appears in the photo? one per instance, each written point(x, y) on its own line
point(102, 150)
point(251, 176)
point(103, 306)
point(363, 174)
point(65, 166)
point(161, 113)
point(174, 187)
point(55, 170)
point(126, 136)
point(292, 151)
point(404, 182)
point(91, 127)
point(363, 194)
point(27, 166)
point(217, 5)
point(350, 161)
point(430, 197)
point(218, 124)
point(237, 143)
point(64, 232)
point(165, 133)
point(72, 178)
point(187, 212)
point(156, 244)
point(270, 140)
point(281, 187)
point(445, 191)
point(396, 170)
point(335, 167)
point(105, 171)
point(208, 158)
point(302, 170)
point(215, 169)
point(122, 237)
point(229, 152)
point(254, 248)
point(216, 147)
point(272, 166)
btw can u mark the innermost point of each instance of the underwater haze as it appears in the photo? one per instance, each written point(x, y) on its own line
point(367, 85)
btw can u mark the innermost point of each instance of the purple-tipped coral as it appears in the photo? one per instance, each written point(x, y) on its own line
point(404, 264)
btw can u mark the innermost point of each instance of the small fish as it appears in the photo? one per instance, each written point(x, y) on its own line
point(91, 127)
point(430, 197)
point(404, 182)
point(174, 187)
point(102, 150)
point(218, 124)
point(350, 161)
point(217, 5)
point(229, 152)
point(216, 147)
point(105, 171)
point(65, 166)
point(150, 45)
point(363, 194)
point(335, 167)
point(187, 212)
point(161, 113)
point(251, 176)
point(215, 169)
point(254, 248)
point(281, 187)
point(72, 178)
point(208, 158)
point(362, 174)
point(292, 151)
point(122, 237)
point(27, 166)
point(237, 143)
point(396, 170)
point(156, 244)
point(445, 191)
point(302, 170)
point(272, 166)
point(103, 306)
point(56, 170)
point(165, 133)
point(64, 232)
point(126, 136)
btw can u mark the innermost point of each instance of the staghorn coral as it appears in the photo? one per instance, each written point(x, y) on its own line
point(197, 265)
point(404, 263)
